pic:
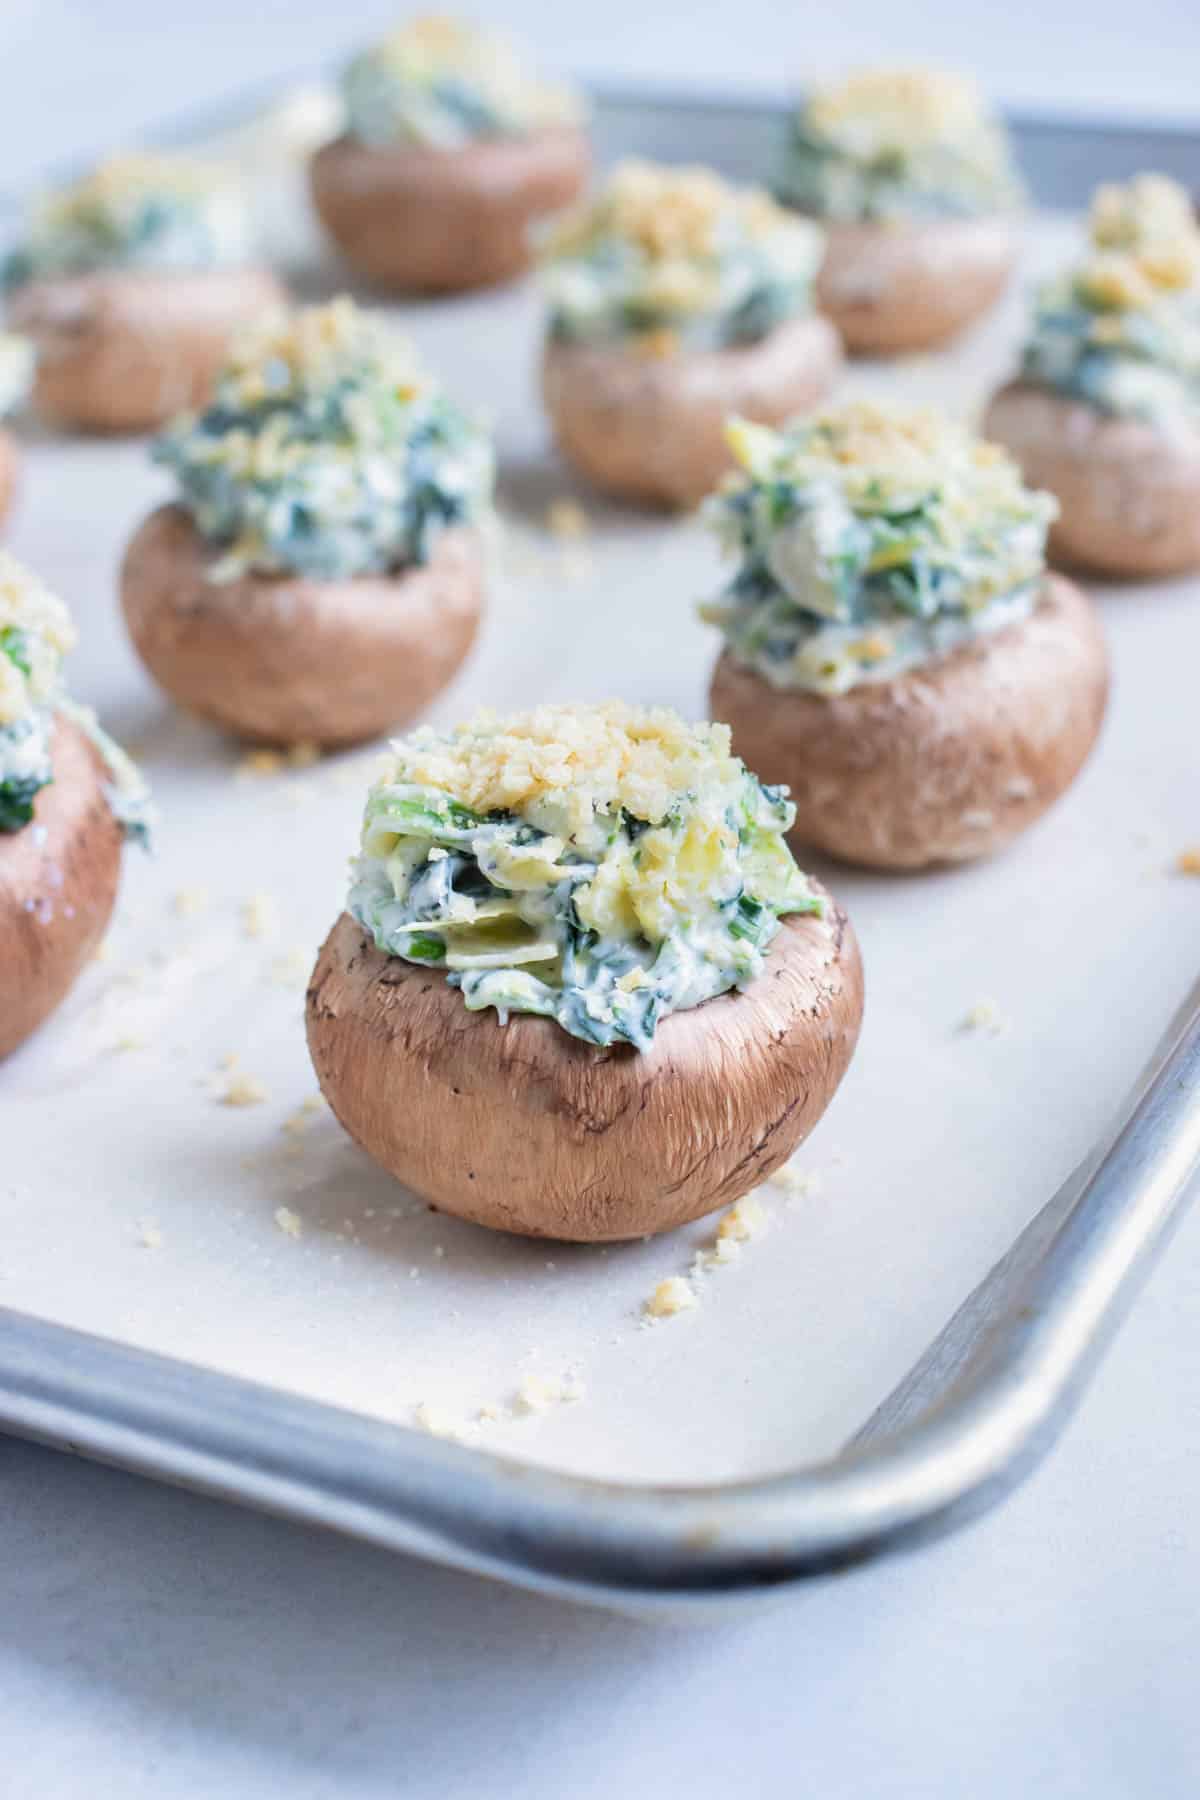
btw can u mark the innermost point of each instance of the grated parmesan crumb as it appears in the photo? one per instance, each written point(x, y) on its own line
point(983, 1017)
point(260, 916)
point(600, 756)
point(798, 1184)
point(258, 764)
point(537, 1393)
point(288, 1222)
point(436, 1420)
point(745, 1220)
point(188, 902)
point(242, 1090)
point(567, 520)
point(672, 1296)
point(148, 1235)
point(298, 1122)
point(130, 1040)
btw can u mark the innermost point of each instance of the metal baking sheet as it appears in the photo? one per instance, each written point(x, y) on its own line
point(283, 1276)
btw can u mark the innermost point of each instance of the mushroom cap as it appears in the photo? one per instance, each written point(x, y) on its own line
point(524, 1128)
point(1129, 494)
point(911, 286)
point(441, 220)
point(10, 463)
point(289, 659)
point(125, 349)
point(945, 762)
point(57, 886)
point(653, 428)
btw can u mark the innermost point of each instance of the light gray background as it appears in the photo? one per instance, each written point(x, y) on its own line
point(154, 1644)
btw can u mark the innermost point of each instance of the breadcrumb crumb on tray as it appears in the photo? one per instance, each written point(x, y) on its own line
point(241, 1090)
point(670, 1297)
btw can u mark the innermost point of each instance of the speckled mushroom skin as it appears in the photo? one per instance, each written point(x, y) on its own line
point(653, 428)
point(126, 349)
point(10, 463)
point(1129, 494)
point(58, 883)
point(285, 659)
point(943, 763)
point(891, 288)
point(526, 1129)
point(435, 221)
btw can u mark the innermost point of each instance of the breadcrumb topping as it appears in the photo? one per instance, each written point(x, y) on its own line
point(1146, 242)
point(591, 758)
point(310, 349)
point(875, 450)
point(668, 211)
point(901, 109)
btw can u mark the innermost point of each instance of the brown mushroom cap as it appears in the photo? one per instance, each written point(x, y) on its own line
point(288, 659)
point(125, 349)
point(947, 761)
point(58, 883)
point(525, 1128)
point(429, 220)
point(1129, 494)
point(10, 463)
point(911, 286)
point(653, 428)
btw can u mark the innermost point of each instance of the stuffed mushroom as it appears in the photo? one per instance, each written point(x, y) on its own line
point(912, 180)
point(894, 649)
point(581, 989)
point(452, 151)
point(320, 577)
point(68, 799)
point(1105, 411)
point(674, 301)
point(130, 284)
point(16, 376)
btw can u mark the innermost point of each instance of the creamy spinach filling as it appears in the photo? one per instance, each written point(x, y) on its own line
point(25, 767)
point(678, 254)
point(1121, 331)
point(441, 84)
point(868, 543)
point(134, 213)
point(327, 453)
point(35, 635)
point(1143, 365)
point(893, 145)
point(603, 920)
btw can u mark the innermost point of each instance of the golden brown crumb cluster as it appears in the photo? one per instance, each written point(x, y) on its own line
point(668, 211)
point(595, 758)
point(907, 108)
point(1146, 243)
